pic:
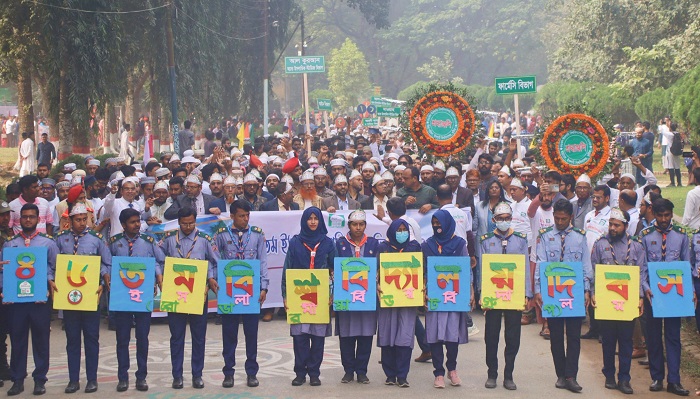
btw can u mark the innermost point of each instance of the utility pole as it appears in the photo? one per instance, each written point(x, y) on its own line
point(266, 107)
point(301, 49)
point(171, 69)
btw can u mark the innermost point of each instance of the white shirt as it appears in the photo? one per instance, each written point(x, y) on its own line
point(634, 221)
point(521, 222)
point(596, 226)
point(114, 207)
point(200, 204)
point(462, 220)
point(615, 193)
point(376, 202)
point(542, 219)
point(691, 214)
point(664, 139)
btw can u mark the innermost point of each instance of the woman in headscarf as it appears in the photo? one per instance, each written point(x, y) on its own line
point(448, 329)
point(356, 329)
point(396, 326)
point(310, 249)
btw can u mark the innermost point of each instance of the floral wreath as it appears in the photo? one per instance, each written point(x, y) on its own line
point(415, 118)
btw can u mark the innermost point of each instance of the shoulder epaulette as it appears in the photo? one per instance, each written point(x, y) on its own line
point(46, 236)
point(148, 238)
point(204, 235)
point(60, 233)
point(256, 229)
point(519, 234)
point(94, 233)
point(542, 231)
point(636, 238)
point(170, 233)
point(115, 238)
point(680, 229)
point(646, 231)
point(486, 236)
point(598, 239)
point(582, 232)
point(221, 229)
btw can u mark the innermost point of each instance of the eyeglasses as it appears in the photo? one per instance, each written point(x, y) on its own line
point(28, 217)
point(188, 224)
point(403, 163)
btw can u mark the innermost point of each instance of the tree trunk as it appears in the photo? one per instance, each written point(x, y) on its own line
point(166, 131)
point(65, 120)
point(106, 139)
point(112, 128)
point(153, 114)
point(81, 137)
point(25, 108)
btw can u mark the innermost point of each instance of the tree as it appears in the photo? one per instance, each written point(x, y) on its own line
point(440, 69)
point(348, 75)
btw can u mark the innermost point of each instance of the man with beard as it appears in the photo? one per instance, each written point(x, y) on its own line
point(582, 203)
point(271, 182)
point(462, 197)
point(307, 196)
point(293, 168)
point(416, 194)
point(216, 185)
point(379, 196)
point(229, 195)
point(439, 172)
point(426, 175)
point(175, 187)
point(320, 180)
point(250, 192)
point(398, 178)
point(355, 186)
point(161, 202)
point(42, 171)
point(340, 199)
point(368, 172)
point(484, 165)
point(284, 201)
point(194, 198)
point(91, 167)
point(338, 167)
point(627, 182)
point(62, 189)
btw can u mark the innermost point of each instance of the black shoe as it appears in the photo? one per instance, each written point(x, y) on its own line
point(390, 381)
point(197, 382)
point(509, 385)
point(402, 383)
point(122, 385)
point(589, 335)
point(72, 387)
point(362, 379)
point(561, 383)
point(677, 389)
point(490, 383)
point(252, 382)
point(218, 321)
point(573, 386)
point(625, 387)
point(610, 383)
point(348, 377)
point(141, 385)
point(177, 383)
point(5, 373)
point(228, 382)
point(298, 381)
point(644, 362)
point(39, 388)
point(656, 386)
point(314, 381)
point(91, 387)
point(17, 388)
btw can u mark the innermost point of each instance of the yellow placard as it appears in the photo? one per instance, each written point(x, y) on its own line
point(77, 281)
point(308, 296)
point(616, 292)
point(184, 285)
point(503, 281)
point(401, 280)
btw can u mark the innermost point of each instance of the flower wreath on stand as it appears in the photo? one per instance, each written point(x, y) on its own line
point(439, 120)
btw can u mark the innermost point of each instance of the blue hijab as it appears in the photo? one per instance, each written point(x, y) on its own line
point(308, 236)
point(446, 237)
point(391, 245)
point(299, 255)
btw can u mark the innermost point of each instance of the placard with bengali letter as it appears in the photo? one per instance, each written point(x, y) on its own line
point(239, 286)
point(355, 284)
point(132, 284)
point(616, 292)
point(77, 281)
point(184, 285)
point(308, 294)
point(503, 281)
point(671, 285)
point(561, 287)
point(449, 283)
point(401, 279)
point(25, 278)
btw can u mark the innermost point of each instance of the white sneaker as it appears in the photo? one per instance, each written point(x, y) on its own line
point(473, 330)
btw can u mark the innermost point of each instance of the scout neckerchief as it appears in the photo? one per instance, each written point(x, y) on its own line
point(179, 248)
point(359, 245)
point(240, 247)
point(313, 253)
point(563, 234)
point(28, 240)
point(504, 239)
point(76, 238)
point(131, 243)
point(629, 247)
point(663, 240)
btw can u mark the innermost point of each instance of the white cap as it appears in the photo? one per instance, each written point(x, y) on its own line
point(440, 165)
point(628, 175)
point(312, 160)
point(235, 165)
point(235, 151)
point(160, 172)
point(161, 185)
point(357, 215)
point(582, 179)
point(616, 213)
point(387, 176)
point(239, 181)
point(518, 163)
point(198, 153)
point(376, 179)
point(76, 181)
point(306, 176)
point(355, 174)
point(249, 178)
point(393, 163)
point(193, 179)
point(505, 169)
point(131, 179)
point(229, 180)
point(271, 175)
point(189, 159)
point(94, 162)
point(340, 179)
point(321, 171)
point(368, 166)
point(69, 176)
point(188, 153)
point(502, 208)
point(452, 171)
point(120, 159)
point(392, 155)
point(79, 173)
point(338, 162)
point(138, 167)
point(399, 168)
point(215, 177)
point(70, 166)
point(175, 157)
point(517, 183)
point(427, 167)
point(78, 209)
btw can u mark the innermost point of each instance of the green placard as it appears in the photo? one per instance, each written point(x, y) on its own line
point(575, 147)
point(516, 85)
point(324, 104)
point(441, 124)
point(379, 102)
point(389, 111)
point(305, 64)
point(370, 122)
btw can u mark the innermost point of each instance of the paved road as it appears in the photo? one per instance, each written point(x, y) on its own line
point(534, 372)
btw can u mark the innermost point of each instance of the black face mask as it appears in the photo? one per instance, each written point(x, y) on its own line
point(437, 230)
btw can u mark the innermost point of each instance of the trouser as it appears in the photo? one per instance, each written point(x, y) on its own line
point(677, 173)
point(420, 336)
point(592, 322)
point(696, 284)
point(355, 353)
point(4, 330)
point(614, 334)
point(229, 330)
point(23, 317)
point(492, 336)
point(439, 358)
point(565, 360)
point(670, 328)
point(308, 355)
point(198, 330)
point(87, 323)
point(123, 322)
point(396, 361)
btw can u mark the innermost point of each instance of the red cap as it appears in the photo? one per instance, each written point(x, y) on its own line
point(290, 165)
point(74, 193)
point(255, 161)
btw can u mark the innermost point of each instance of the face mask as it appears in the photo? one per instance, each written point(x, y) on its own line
point(401, 236)
point(437, 230)
point(503, 226)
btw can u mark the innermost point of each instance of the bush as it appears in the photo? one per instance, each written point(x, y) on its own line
point(78, 160)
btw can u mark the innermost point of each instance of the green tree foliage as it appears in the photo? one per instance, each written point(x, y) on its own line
point(348, 75)
point(440, 69)
point(554, 98)
point(654, 105)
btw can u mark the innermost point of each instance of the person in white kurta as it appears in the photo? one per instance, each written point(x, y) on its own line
point(27, 153)
point(596, 221)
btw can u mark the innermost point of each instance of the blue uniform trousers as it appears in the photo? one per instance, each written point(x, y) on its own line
point(308, 354)
point(396, 361)
point(87, 323)
point(614, 334)
point(354, 353)
point(198, 330)
point(420, 336)
point(565, 360)
point(670, 328)
point(23, 317)
point(439, 358)
point(511, 335)
point(123, 322)
point(696, 285)
point(229, 330)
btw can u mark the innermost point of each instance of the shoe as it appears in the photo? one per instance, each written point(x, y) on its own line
point(298, 381)
point(390, 381)
point(177, 383)
point(572, 385)
point(402, 383)
point(490, 383)
point(141, 385)
point(610, 383)
point(625, 387)
point(228, 382)
point(439, 382)
point(91, 387)
point(525, 320)
point(561, 383)
point(455, 381)
point(39, 388)
point(671, 185)
point(680, 185)
point(72, 387)
point(197, 382)
point(362, 379)
point(644, 362)
point(639, 353)
point(252, 382)
point(677, 389)
point(5, 372)
point(314, 381)
point(348, 377)
point(509, 385)
point(424, 357)
point(217, 321)
point(267, 317)
point(545, 333)
point(473, 330)
point(17, 388)
point(589, 335)
point(656, 386)
point(122, 385)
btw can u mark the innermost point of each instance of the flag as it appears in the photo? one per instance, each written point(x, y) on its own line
point(492, 129)
point(251, 134)
point(146, 148)
point(241, 135)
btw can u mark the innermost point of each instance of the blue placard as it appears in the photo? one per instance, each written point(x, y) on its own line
point(561, 287)
point(449, 284)
point(355, 284)
point(239, 286)
point(361, 109)
point(131, 287)
point(671, 285)
point(25, 279)
point(371, 109)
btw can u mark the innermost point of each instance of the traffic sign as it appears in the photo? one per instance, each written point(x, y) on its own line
point(379, 102)
point(324, 104)
point(361, 109)
point(516, 85)
point(390, 112)
point(371, 109)
point(305, 64)
point(340, 122)
point(370, 122)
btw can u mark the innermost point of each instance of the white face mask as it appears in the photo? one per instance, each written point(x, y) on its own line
point(503, 225)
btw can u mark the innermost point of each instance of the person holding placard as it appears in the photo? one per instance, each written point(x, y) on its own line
point(504, 240)
point(80, 240)
point(618, 248)
point(356, 329)
point(32, 316)
point(242, 241)
point(563, 243)
point(132, 243)
point(310, 249)
point(448, 329)
point(189, 243)
point(396, 326)
point(664, 242)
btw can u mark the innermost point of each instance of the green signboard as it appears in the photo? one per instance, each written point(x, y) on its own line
point(305, 64)
point(324, 104)
point(516, 85)
point(370, 122)
point(380, 102)
point(575, 147)
point(389, 112)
